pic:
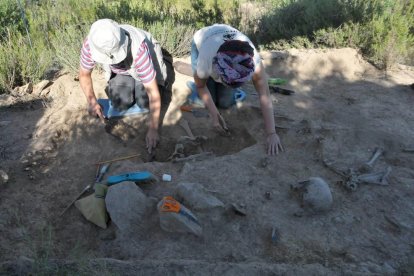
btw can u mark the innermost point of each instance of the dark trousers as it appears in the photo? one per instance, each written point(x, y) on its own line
point(124, 91)
point(223, 96)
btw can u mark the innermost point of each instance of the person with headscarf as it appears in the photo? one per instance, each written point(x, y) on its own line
point(134, 67)
point(223, 59)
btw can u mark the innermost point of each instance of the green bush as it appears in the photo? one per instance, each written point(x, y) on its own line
point(382, 29)
point(389, 36)
point(21, 62)
point(67, 43)
point(175, 38)
point(10, 18)
point(385, 39)
point(304, 17)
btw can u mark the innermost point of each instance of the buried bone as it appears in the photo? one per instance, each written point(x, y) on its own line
point(195, 140)
point(185, 145)
point(316, 194)
point(368, 166)
point(178, 152)
point(378, 178)
point(194, 157)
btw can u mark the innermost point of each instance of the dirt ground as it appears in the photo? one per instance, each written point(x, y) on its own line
point(342, 110)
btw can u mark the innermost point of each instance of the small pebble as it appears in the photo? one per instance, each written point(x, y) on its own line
point(264, 162)
point(275, 236)
point(239, 209)
point(3, 176)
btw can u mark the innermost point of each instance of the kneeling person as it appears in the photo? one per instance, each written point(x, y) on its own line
point(134, 68)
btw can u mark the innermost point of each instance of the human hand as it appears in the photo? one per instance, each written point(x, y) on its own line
point(95, 109)
point(151, 139)
point(273, 144)
point(220, 125)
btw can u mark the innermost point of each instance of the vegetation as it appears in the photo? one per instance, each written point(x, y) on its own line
point(37, 36)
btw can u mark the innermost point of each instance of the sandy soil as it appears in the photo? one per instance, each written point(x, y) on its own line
point(342, 110)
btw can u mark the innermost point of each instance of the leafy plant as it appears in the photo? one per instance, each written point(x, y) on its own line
point(10, 18)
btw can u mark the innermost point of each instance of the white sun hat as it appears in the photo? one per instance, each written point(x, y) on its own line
point(108, 42)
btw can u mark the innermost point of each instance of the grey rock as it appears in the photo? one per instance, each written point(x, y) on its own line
point(4, 178)
point(22, 90)
point(38, 88)
point(127, 205)
point(107, 234)
point(4, 123)
point(197, 197)
point(388, 269)
point(21, 266)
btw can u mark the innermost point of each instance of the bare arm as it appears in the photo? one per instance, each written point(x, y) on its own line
point(155, 110)
point(262, 87)
point(202, 89)
point(85, 79)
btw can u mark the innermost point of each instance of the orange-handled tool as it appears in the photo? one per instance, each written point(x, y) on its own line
point(170, 205)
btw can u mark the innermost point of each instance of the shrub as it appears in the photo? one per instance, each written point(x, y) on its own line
point(10, 18)
point(175, 38)
point(20, 62)
point(67, 43)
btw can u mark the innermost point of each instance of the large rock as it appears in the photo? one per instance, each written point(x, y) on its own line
point(126, 205)
point(22, 90)
point(38, 88)
point(197, 197)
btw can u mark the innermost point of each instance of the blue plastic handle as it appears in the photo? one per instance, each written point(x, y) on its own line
point(134, 177)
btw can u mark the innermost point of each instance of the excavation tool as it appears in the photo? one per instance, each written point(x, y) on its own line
point(134, 177)
point(98, 178)
point(276, 81)
point(282, 91)
point(184, 124)
point(173, 206)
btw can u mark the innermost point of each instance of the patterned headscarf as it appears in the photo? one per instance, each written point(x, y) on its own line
point(234, 62)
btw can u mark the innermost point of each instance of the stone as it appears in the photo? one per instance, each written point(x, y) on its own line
point(4, 123)
point(107, 234)
point(4, 178)
point(197, 197)
point(38, 88)
point(22, 90)
point(127, 205)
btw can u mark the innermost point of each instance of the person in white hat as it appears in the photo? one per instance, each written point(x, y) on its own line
point(134, 68)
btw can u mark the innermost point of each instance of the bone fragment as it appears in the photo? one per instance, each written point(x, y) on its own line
point(379, 178)
point(377, 153)
point(368, 166)
point(195, 157)
point(184, 124)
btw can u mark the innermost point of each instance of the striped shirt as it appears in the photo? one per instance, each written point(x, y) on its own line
point(142, 63)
